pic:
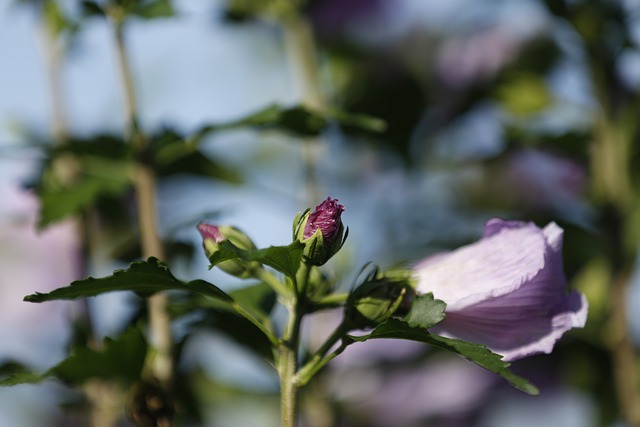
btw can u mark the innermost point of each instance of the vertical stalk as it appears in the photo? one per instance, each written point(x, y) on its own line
point(624, 356)
point(611, 185)
point(160, 364)
point(302, 52)
point(104, 397)
point(289, 348)
point(287, 366)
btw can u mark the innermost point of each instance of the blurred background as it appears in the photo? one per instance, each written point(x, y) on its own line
point(424, 118)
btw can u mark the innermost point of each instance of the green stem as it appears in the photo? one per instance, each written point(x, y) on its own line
point(319, 358)
point(288, 365)
point(275, 284)
point(330, 301)
point(160, 365)
point(301, 49)
point(289, 348)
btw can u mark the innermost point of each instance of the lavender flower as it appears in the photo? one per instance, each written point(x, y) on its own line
point(506, 291)
point(321, 231)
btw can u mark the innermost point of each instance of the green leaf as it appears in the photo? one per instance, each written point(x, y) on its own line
point(59, 202)
point(154, 9)
point(258, 300)
point(476, 353)
point(121, 359)
point(298, 120)
point(82, 173)
point(285, 259)
point(425, 312)
point(146, 277)
point(18, 374)
point(173, 155)
point(92, 8)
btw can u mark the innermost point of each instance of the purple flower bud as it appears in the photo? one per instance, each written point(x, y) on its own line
point(506, 291)
point(320, 247)
point(326, 217)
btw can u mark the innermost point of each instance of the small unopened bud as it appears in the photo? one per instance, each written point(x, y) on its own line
point(378, 298)
point(213, 235)
point(321, 231)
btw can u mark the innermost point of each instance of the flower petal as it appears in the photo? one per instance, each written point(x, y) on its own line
point(506, 291)
point(510, 253)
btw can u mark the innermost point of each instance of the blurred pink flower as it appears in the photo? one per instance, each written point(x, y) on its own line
point(33, 261)
point(506, 291)
point(464, 61)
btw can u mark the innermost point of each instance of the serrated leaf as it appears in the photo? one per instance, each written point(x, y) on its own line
point(145, 277)
point(425, 312)
point(285, 259)
point(476, 353)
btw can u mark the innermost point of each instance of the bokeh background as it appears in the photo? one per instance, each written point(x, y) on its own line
point(523, 109)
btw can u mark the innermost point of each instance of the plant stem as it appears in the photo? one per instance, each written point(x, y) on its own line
point(318, 360)
point(160, 365)
point(104, 397)
point(301, 49)
point(288, 365)
point(289, 348)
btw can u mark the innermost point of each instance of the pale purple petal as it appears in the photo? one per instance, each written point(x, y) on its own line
point(496, 265)
point(507, 290)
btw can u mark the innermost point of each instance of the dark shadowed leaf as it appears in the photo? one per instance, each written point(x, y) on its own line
point(15, 373)
point(120, 359)
point(247, 323)
point(476, 353)
point(151, 9)
point(173, 155)
point(145, 277)
point(60, 202)
point(298, 120)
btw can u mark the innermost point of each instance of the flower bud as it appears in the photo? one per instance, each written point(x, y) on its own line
point(378, 298)
point(321, 231)
point(213, 235)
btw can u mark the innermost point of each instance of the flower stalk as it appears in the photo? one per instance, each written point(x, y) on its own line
point(160, 364)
